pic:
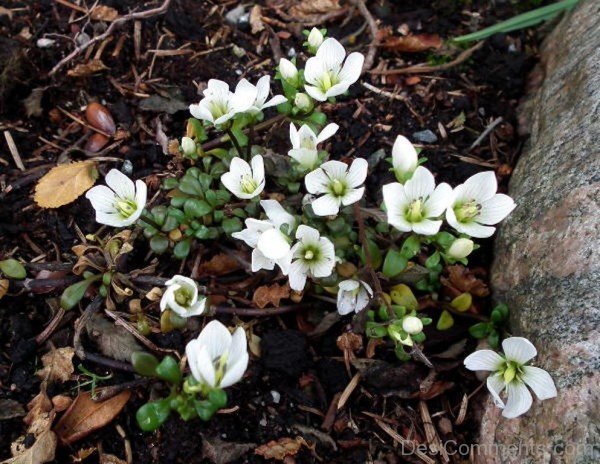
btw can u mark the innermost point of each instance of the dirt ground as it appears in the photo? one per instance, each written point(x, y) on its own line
point(288, 391)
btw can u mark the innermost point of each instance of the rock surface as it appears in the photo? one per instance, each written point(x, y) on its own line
point(547, 266)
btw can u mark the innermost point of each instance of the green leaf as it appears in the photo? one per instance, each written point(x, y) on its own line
point(159, 244)
point(231, 225)
point(445, 322)
point(196, 208)
point(218, 398)
point(394, 263)
point(190, 185)
point(182, 249)
point(376, 257)
point(433, 260)
point(13, 269)
point(152, 415)
point(480, 330)
point(144, 363)
point(74, 293)
point(444, 239)
point(205, 409)
point(494, 339)
point(402, 295)
point(168, 370)
point(374, 330)
point(198, 129)
point(410, 247)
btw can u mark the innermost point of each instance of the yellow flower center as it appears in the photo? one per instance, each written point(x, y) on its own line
point(248, 184)
point(126, 207)
point(338, 188)
point(466, 211)
point(415, 211)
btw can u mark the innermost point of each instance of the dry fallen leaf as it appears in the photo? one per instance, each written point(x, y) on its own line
point(218, 451)
point(82, 454)
point(3, 287)
point(308, 9)
point(61, 402)
point(87, 68)
point(280, 449)
point(218, 265)
point(256, 22)
point(412, 43)
point(462, 279)
point(65, 183)
point(104, 13)
point(41, 451)
point(9, 409)
point(111, 459)
point(85, 415)
point(58, 365)
point(112, 340)
point(270, 294)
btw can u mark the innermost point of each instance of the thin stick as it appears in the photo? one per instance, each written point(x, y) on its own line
point(253, 312)
point(114, 25)
point(465, 55)
point(385, 93)
point(373, 30)
point(13, 150)
point(486, 132)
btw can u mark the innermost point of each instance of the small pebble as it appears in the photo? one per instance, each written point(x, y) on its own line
point(276, 396)
point(45, 43)
point(292, 52)
point(263, 422)
point(127, 168)
point(425, 136)
point(234, 16)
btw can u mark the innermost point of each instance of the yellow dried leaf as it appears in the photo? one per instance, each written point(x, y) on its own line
point(104, 13)
point(87, 68)
point(307, 9)
point(58, 365)
point(65, 183)
point(256, 22)
point(282, 448)
point(270, 295)
point(3, 287)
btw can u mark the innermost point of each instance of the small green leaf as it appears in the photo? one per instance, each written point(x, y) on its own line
point(462, 302)
point(445, 322)
point(74, 293)
point(196, 208)
point(374, 330)
point(13, 269)
point(494, 339)
point(394, 264)
point(159, 244)
point(402, 295)
point(182, 249)
point(205, 409)
point(144, 363)
point(218, 398)
point(152, 415)
point(410, 247)
point(433, 260)
point(231, 225)
point(480, 330)
point(168, 370)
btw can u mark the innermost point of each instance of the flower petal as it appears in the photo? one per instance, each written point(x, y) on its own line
point(331, 53)
point(420, 185)
point(540, 382)
point(297, 275)
point(326, 205)
point(307, 234)
point(273, 244)
point(294, 136)
point(315, 92)
point(483, 360)
point(239, 346)
point(216, 338)
point(240, 168)
point(519, 400)
point(518, 349)
point(404, 155)
point(471, 229)
point(438, 201)
point(495, 384)
point(495, 209)
point(277, 213)
point(352, 68)
point(352, 196)
point(304, 156)
point(260, 261)
point(200, 111)
point(335, 169)
point(121, 184)
point(426, 227)
point(316, 181)
point(204, 366)
point(102, 198)
point(232, 183)
point(258, 169)
point(262, 90)
point(276, 100)
point(480, 187)
point(328, 131)
point(192, 349)
point(235, 372)
point(357, 173)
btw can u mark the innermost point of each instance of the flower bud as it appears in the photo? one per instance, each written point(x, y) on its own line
point(188, 146)
point(303, 102)
point(412, 325)
point(315, 39)
point(461, 248)
point(288, 71)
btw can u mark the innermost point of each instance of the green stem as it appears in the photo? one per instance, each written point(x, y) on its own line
point(148, 220)
point(235, 142)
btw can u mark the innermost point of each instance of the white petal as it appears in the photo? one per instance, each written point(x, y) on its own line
point(216, 338)
point(287, 69)
point(327, 205)
point(471, 229)
point(404, 155)
point(111, 219)
point(297, 275)
point(306, 137)
point(294, 136)
point(102, 198)
point(495, 384)
point(332, 53)
point(201, 112)
point(395, 201)
point(352, 68)
point(232, 183)
point(205, 367)
point(540, 382)
point(480, 187)
point(277, 213)
point(285, 263)
point(192, 350)
point(307, 234)
point(495, 209)
point(357, 173)
point(346, 302)
point(518, 349)
point(259, 261)
point(328, 131)
point(235, 372)
point(258, 169)
point(276, 100)
point(337, 89)
point(141, 194)
point(315, 92)
point(483, 360)
point(426, 227)
point(244, 96)
point(313, 70)
point(121, 184)
point(262, 90)
point(216, 87)
point(348, 285)
point(420, 185)
point(304, 156)
point(335, 169)
point(352, 196)
point(316, 181)
point(438, 201)
point(240, 167)
point(198, 308)
point(519, 400)
point(362, 299)
point(273, 244)
point(239, 346)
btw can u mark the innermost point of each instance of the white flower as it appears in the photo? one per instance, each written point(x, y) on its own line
point(313, 256)
point(258, 94)
point(181, 297)
point(315, 38)
point(415, 205)
point(216, 358)
point(271, 245)
point(512, 373)
point(305, 141)
point(288, 71)
point(121, 203)
point(412, 325)
point(404, 159)
point(475, 206)
point(303, 102)
point(353, 295)
point(243, 180)
point(188, 146)
point(337, 185)
point(325, 77)
point(460, 248)
point(219, 104)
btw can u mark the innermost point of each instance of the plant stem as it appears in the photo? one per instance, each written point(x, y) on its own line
point(250, 140)
point(235, 142)
point(148, 220)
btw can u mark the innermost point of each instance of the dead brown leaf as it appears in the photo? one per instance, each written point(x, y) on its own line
point(256, 22)
point(463, 279)
point(104, 13)
point(112, 340)
point(412, 43)
point(61, 402)
point(270, 294)
point(9, 409)
point(372, 346)
point(85, 415)
point(111, 459)
point(280, 449)
point(218, 451)
point(58, 365)
point(87, 68)
point(65, 183)
point(307, 9)
point(41, 451)
point(82, 454)
point(218, 265)
point(3, 287)
point(349, 342)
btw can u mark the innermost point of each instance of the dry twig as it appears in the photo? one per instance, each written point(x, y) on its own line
point(373, 30)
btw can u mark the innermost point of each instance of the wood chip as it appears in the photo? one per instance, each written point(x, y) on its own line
point(348, 391)
point(13, 150)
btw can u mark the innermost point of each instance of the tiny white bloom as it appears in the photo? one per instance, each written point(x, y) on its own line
point(460, 248)
point(121, 203)
point(245, 180)
point(511, 372)
point(305, 141)
point(288, 71)
point(476, 206)
point(315, 38)
point(314, 256)
point(258, 94)
point(303, 102)
point(404, 159)
point(271, 245)
point(337, 184)
point(181, 297)
point(219, 104)
point(353, 295)
point(217, 358)
point(188, 146)
point(412, 325)
point(324, 74)
point(416, 205)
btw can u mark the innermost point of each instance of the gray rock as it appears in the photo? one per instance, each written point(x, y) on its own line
point(547, 266)
point(425, 136)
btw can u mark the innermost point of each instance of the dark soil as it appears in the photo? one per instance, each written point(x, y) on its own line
point(297, 378)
